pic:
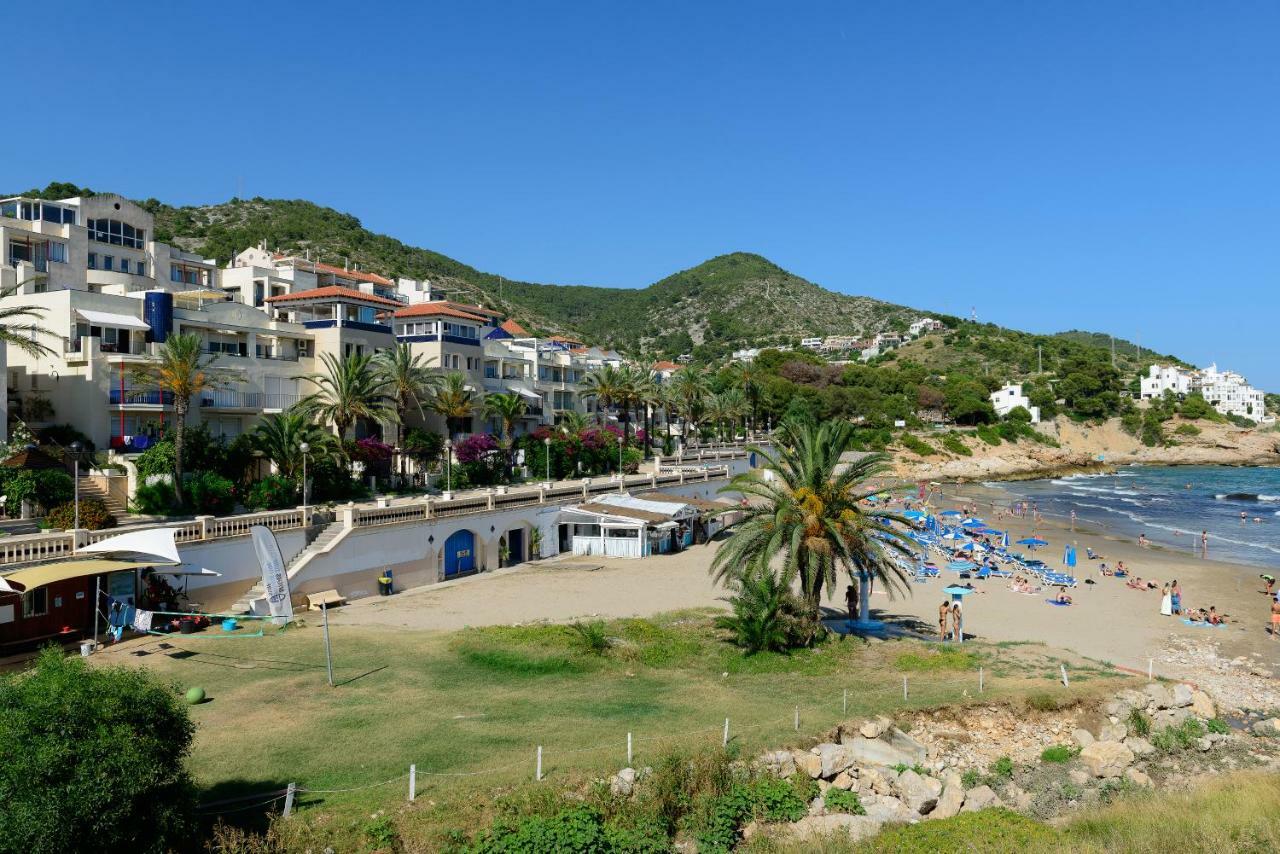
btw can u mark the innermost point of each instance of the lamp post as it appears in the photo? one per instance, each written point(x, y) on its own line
point(621, 441)
point(304, 447)
point(448, 464)
point(547, 442)
point(76, 448)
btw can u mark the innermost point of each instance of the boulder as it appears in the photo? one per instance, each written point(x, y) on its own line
point(918, 793)
point(1080, 778)
point(1158, 696)
point(1017, 797)
point(889, 810)
point(907, 745)
point(1139, 745)
point(1202, 706)
point(818, 806)
point(950, 801)
point(876, 727)
point(623, 783)
point(844, 780)
point(1169, 717)
point(779, 762)
point(834, 758)
point(1106, 758)
point(1268, 727)
point(1181, 696)
point(808, 763)
point(980, 798)
point(1113, 732)
point(1138, 778)
point(1083, 737)
point(1204, 744)
point(875, 751)
point(858, 827)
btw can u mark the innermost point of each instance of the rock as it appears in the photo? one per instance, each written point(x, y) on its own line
point(823, 785)
point(980, 798)
point(1268, 727)
point(1139, 745)
point(1204, 745)
point(749, 830)
point(1113, 732)
point(1080, 778)
point(835, 758)
point(1017, 797)
point(870, 729)
point(844, 780)
point(950, 801)
point(1181, 696)
point(875, 751)
point(1202, 706)
point(1083, 737)
point(858, 827)
point(1169, 717)
point(808, 763)
point(1106, 758)
point(1138, 778)
point(1158, 695)
point(817, 806)
point(889, 810)
point(779, 762)
point(919, 793)
point(952, 778)
point(623, 783)
point(874, 781)
point(908, 745)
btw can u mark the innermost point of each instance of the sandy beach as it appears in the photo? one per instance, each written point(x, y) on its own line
point(1108, 620)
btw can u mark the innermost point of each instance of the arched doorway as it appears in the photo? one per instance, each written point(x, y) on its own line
point(459, 554)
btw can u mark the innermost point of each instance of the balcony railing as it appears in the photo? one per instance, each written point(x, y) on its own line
point(278, 355)
point(149, 397)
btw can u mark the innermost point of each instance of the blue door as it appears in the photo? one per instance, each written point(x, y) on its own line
point(459, 554)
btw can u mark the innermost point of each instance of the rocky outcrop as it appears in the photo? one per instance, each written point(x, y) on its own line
point(1106, 758)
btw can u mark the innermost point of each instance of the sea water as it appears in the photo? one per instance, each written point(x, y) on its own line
point(1172, 505)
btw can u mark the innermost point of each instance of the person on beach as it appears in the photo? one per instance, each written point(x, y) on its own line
point(1063, 598)
point(1204, 544)
point(943, 611)
point(1275, 619)
point(1175, 594)
point(1166, 602)
point(1142, 540)
point(1270, 581)
point(851, 601)
point(1215, 618)
point(957, 631)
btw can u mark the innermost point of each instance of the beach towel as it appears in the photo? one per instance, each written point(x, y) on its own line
point(1196, 624)
point(1057, 603)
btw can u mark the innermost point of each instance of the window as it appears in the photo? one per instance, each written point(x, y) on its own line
point(175, 274)
point(108, 262)
point(142, 268)
point(58, 252)
point(35, 603)
point(114, 231)
point(93, 260)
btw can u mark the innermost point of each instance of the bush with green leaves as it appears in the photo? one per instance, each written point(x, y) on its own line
point(159, 459)
point(955, 445)
point(46, 487)
point(592, 638)
point(1059, 753)
point(840, 800)
point(95, 757)
point(153, 499)
point(211, 493)
point(1139, 723)
point(1177, 737)
point(988, 434)
point(766, 615)
point(1002, 768)
point(575, 830)
point(272, 492)
point(916, 445)
point(1187, 430)
point(94, 515)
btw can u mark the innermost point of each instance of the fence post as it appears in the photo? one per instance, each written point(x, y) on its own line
point(628, 750)
point(979, 680)
point(1151, 662)
point(846, 701)
point(797, 718)
point(724, 742)
point(1065, 682)
point(904, 687)
point(537, 774)
point(413, 782)
point(288, 799)
point(203, 522)
point(427, 509)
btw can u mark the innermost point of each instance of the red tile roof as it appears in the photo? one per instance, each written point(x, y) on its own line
point(437, 308)
point(510, 326)
point(564, 340)
point(472, 309)
point(666, 366)
point(338, 271)
point(332, 291)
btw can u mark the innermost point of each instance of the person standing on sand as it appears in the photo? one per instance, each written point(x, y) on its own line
point(942, 620)
point(1166, 602)
point(1175, 597)
point(1275, 619)
point(851, 601)
point(1204, 544)
point(956, 628)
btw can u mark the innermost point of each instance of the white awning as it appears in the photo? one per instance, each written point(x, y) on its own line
point(530, 395)
point(159, 544)
point(106, 318)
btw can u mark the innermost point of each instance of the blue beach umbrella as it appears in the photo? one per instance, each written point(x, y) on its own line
point(914, 514)
point(1004, 540)
point(954, 535)
point(971, 522)
point(1069, 556)
point(1033, 541)
point(950, 513)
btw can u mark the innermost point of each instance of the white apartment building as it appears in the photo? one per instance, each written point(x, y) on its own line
point(1006, 399)
point(923, 326)
point(838, 343)
point(811, 343)
point(1226, 391)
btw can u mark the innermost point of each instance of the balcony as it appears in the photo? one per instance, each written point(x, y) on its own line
point(226, 399)
point(140, 397)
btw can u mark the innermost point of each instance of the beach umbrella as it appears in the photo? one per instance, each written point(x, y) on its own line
point(950, 513)
point(954, 535)
point(1004, 540)
point(1033, 541)
point(914, 514)
point(968, 523)
point(1069, 556)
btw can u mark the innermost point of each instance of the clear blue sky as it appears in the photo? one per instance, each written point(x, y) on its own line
point(1111, 166)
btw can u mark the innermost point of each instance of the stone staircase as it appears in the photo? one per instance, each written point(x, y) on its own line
point(89, 488)
point(324, 540)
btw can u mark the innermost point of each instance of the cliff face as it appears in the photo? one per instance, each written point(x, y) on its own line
point(1085, 447)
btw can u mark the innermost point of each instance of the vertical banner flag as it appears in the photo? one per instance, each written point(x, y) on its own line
point(274, 577)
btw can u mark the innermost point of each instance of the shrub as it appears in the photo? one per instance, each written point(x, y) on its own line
point(915, 445)
point(775, 799)
point(1178, 737)
point(591, 638)
point(1139, 723)
point(94, 515)
point(209, 492)
point(1003, 768)
point(158, 459)
point(839, 800)
point(1019, 414)
point(953, 443)
point(1059, 753)
point(154, 499)
point(1187, 430)
point(1217, 726)
point(102, 758)
point(767, 616)
point(988, 435)
point(273, 492)
point(64, 435)
point(970, 778)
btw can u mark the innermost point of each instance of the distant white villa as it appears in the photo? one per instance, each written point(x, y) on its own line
point(924, 325)
point(1226, 391)
point(811, 343)
point(1006, 399)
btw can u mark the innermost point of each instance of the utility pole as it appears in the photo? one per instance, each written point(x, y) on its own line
point(1039, 359)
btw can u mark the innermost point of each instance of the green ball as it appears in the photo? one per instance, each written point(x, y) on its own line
point(194, 696)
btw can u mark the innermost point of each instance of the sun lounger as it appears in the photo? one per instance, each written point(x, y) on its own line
point(327, 598)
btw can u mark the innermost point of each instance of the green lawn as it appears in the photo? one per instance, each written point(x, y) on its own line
point(477, 703)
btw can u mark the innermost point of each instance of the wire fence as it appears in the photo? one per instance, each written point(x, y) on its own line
point(916, 692)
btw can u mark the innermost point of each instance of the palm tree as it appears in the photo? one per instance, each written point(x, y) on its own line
point(453, 401)
point(646, 393)
point(572, 422)
point(182, 369)
point(690, 388)
point(18, 326)
point(726, 408)
point(279, 437)
point(409, 380)
point(809, 512)
point(348, 390)
point(766, 616)
point(508, 408)
point(747, 377)
point(608, 386)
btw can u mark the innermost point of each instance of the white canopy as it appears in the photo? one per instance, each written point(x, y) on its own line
point(530, 395)
point(106, 318)
point(158, 543)
point(670, 509)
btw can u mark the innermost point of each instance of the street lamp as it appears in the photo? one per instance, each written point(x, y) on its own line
point(304, 447)
point(547, 441)
point(76, 448)
point(448, 464)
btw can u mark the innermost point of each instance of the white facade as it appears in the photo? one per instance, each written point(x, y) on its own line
point(924, 325)
point(1162, 378)
point(811, 343)
point(1226, 391)
point(1008, 398)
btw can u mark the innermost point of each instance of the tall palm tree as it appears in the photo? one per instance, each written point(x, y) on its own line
point(809, 514)
point(453, 402)
point(409, 381)
point(747, 377)
point(726, 408)
point(690, 387)
point(183, 369)
point(572, 422)
point(508, 408)
point(279, 437)
point(645, 395)
point(348, 390)
point(18, 324)
point(608, 386)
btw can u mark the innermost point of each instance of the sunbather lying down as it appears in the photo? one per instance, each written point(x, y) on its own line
point(1200, 615)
